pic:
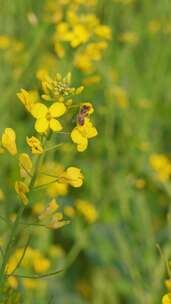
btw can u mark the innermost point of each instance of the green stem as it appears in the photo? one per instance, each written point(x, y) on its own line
point(14, 231)
point(9, 246)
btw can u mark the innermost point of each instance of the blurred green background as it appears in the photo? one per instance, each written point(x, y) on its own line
point(115, 259)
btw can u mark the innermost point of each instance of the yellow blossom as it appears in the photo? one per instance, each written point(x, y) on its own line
point(9, 141)
point(21, 188)
point(57, 221)
point(81, 133)
point(72, 176)
point(166, 299)
point(46, 118)
point(120, 95)
point(51, 218)
point(42, 74)
point(35, 145)
point(161, 165)
point(27, 99)
point(52, 207)
point(103, 31)
point(25, 164)
point(4, 42)
point(69, 211)
point(87, 210)
point(129, 37)
point(41, 264)
point(38, 208)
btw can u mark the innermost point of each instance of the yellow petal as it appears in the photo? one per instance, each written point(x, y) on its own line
point(8, 141)
point(55, 125)
point(41, 125)
point(26, 98)
point(91, 132)
point(83, 146)
point(57, 109)
point(39, 110)
point(25, 164)
point(77, 136)
point(74, 176)
point(35, 145)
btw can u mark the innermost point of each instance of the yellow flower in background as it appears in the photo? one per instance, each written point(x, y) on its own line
point(25, 164)
point(166, 299)
point(87, 210)
point(120, 95)
point(56, 251)
point(103, 31)
point(69, 211)
point(161, 165)
point(131, 38)
point(35, 145)
point(72, 176)
point(42, 74)
point(52, 207)
point(51, 218)
point(78, 35)
point(38, 208)
point(41, 264)
point(57, 221)
point(4, 42)
point(81, 133)
point(27, 99)
point(50, 173)
point(21, 188)
point(9, 141)
point(46, 117)
point(84, 60)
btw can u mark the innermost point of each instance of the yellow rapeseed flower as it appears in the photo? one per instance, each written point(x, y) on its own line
point(21, 188)
point(9, 141)
point(25, 164)
point(166, 299)
point(35, 145)
point(72, 176)
point(161, 164)
point(81, 133)
point(46, 117)
point(4, 42)
point(27, 99)
point(87, 210)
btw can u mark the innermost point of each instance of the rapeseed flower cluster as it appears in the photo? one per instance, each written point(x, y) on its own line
point(85, 34)
point(36, 174)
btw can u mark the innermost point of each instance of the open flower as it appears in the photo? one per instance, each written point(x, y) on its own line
point(46, 117)
point(72, 176)
point(21, 189)
point(87, 210)
point(35, 145)
point(166, 299)
point(81, 133)
point(8, 141)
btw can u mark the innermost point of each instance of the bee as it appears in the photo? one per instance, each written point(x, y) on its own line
point(83, 113)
